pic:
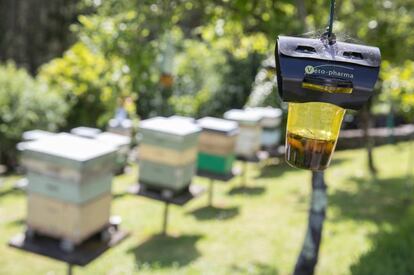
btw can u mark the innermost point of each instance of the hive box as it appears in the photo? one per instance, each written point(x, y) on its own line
point(271, 120)
point(217, 145)
point(122, 127)
point(67, 221)
point(249, 139)
point(166, 155)
point(69, 191)
point(168, 151)
point(271, 117)
point(161, 176)
point(122, 144)
point(86, 132)
point(36, 135)
point(215, 164)
point(169, 133)
point(69, 158)
point(183, 118)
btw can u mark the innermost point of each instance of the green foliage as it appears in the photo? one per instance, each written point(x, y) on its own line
point(392, 252)
point(398, 87)
point(131, 31)
point(25, 104)
point(92, 84)
point(220, 45)
point(210, 81)
point(199, 73)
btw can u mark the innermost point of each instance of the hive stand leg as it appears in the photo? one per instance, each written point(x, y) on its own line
point(70, 269)
point(210, 193)
point(244, 174)
point(165, 219)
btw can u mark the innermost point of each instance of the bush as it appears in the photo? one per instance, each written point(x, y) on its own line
point(25, 104)
point(91, 83)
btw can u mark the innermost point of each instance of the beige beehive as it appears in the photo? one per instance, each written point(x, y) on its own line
point(67, 221)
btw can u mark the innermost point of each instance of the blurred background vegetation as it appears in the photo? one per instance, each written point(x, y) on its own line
point(88, 54)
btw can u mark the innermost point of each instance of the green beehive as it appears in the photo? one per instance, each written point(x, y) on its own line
point(163, 176)
point(68, 191)
point(169, 133)
point(215, 155)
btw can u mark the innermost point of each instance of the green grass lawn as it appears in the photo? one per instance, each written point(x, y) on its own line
point(259, 231)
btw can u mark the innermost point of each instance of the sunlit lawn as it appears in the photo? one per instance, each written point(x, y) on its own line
point(258, 231)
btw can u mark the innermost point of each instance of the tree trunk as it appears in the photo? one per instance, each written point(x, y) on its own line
point(369, 143)
point(33, 32)
point(301, 8)
point(308, 257)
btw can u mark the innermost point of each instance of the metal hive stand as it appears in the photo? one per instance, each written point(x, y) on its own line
point(259, 157)
point(81, 255)
point(168, 197)
point(213, 177)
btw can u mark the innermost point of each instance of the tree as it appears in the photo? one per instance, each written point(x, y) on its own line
point(33, 32)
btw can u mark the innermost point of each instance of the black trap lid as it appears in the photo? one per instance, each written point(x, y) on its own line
point(312, 70)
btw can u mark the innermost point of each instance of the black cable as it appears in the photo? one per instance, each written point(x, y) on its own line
point(331, 19)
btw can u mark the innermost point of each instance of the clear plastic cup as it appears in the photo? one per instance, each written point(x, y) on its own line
point(312, 133)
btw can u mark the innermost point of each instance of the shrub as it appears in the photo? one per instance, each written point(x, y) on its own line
point(25, 104)
point(91, 83)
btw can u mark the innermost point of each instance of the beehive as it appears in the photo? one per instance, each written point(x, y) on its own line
point(167, 153)
point(217, 145)
point(69, 185)
point(249, 139)
point(122, 127)
point(86, 132)
point(122, 144)
point(36, 135)
point(271, 120)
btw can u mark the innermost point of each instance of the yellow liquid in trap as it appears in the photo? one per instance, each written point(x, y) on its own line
point(312, 131)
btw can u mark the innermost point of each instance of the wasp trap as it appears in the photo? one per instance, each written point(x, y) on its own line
point(320, 79)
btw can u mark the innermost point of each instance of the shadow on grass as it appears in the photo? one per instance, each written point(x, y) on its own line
point(380, 200)
point(338, 160)
point(18, 222)
point(11, 191)
point(120, 195)
point(213, 213)
point(247, 190)
point(164, 251)
point(274, 171)
point(255, 268)
point(392, 251)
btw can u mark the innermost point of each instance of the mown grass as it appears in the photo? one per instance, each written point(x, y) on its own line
point(258, 230)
